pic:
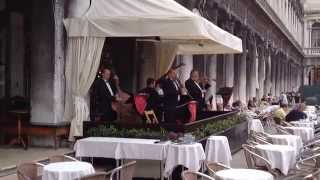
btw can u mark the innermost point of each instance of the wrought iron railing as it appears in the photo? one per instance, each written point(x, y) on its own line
point(312, 51)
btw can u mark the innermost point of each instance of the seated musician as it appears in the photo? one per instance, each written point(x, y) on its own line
point(154, 100)
point(105, 94)
point(195, 90)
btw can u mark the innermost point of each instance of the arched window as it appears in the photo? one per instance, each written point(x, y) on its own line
point(315, 35)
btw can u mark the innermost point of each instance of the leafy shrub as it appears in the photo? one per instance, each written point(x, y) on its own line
point(200, 133)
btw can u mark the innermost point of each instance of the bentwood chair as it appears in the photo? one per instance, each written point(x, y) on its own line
point(214, 167)
point(126, 171)
point(260, 139)
point(286, 124)
point(281, 130)
point(30, 171)
point(314, 176)
point(97, 176)
point(193, 175)
point(307, 169)
point(61, 158)
point(252, 158)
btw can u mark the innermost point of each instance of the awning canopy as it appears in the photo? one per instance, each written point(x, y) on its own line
point(166, 19)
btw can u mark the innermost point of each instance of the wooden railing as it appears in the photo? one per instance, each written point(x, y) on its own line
point(312, 51)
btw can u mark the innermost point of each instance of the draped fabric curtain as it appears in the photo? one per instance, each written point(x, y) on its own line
point(83, 59)
point(166, 54)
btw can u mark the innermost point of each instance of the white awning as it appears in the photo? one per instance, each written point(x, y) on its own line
point(166, 19)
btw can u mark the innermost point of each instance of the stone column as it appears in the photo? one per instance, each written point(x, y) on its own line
point(267, 82)
point(228, 69)
point(47, 63)
point(252, 68)
point(273, 73)
point(262, 70)
point(289, 77)
point(242, 69)
point(186, 69)
point(59, 60)
point(278, 76)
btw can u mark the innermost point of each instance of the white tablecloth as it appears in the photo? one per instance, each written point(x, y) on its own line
point(291, 140)
point(190, 156)
point(66, 170)
point(270, 109)
point(309, 124)
point(218, 150)
point(305, 133)
point(121, 148)
point(243, 174)
point(255, 125)
point(282, 157)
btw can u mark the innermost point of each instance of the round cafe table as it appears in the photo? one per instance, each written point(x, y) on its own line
point(243, 174)
point(281, 157)
point(66, 170)
point(305, 133)
point(218, 150)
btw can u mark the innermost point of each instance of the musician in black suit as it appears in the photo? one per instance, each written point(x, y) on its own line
point(154, 99)
point(105, 94)
point(171, 92)
point(195, 90)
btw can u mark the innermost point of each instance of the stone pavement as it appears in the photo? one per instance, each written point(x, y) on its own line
point(238, 160)
point(10, 157)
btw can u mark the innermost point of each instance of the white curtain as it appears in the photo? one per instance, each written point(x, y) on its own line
point(166, 54)
point(83, 59)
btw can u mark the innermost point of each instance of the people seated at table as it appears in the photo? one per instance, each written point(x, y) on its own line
point(251, 105)
point(237, 106)
point(264, 101)
point(283, 99)
point(280, 114)
point(105, 94)
point(296, 113)
point(195, 90)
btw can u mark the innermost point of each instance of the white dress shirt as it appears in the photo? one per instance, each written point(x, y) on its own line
point(109, 88)
point(202, 94)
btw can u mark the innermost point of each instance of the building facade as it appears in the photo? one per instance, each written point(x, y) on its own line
point(280, 50)
point(311, 41)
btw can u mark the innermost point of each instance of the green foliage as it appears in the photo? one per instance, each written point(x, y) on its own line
point(217, 126)
point(200, 133)
point(112, 131)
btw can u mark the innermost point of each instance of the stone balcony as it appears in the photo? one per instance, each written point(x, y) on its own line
point(312, 52)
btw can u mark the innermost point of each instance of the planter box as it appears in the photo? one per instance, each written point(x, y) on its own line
point(237, 135)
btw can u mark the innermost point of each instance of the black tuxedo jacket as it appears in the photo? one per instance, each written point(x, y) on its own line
point(195, 92)
point(103, 97)
point(171, 93)
point(154, 99)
